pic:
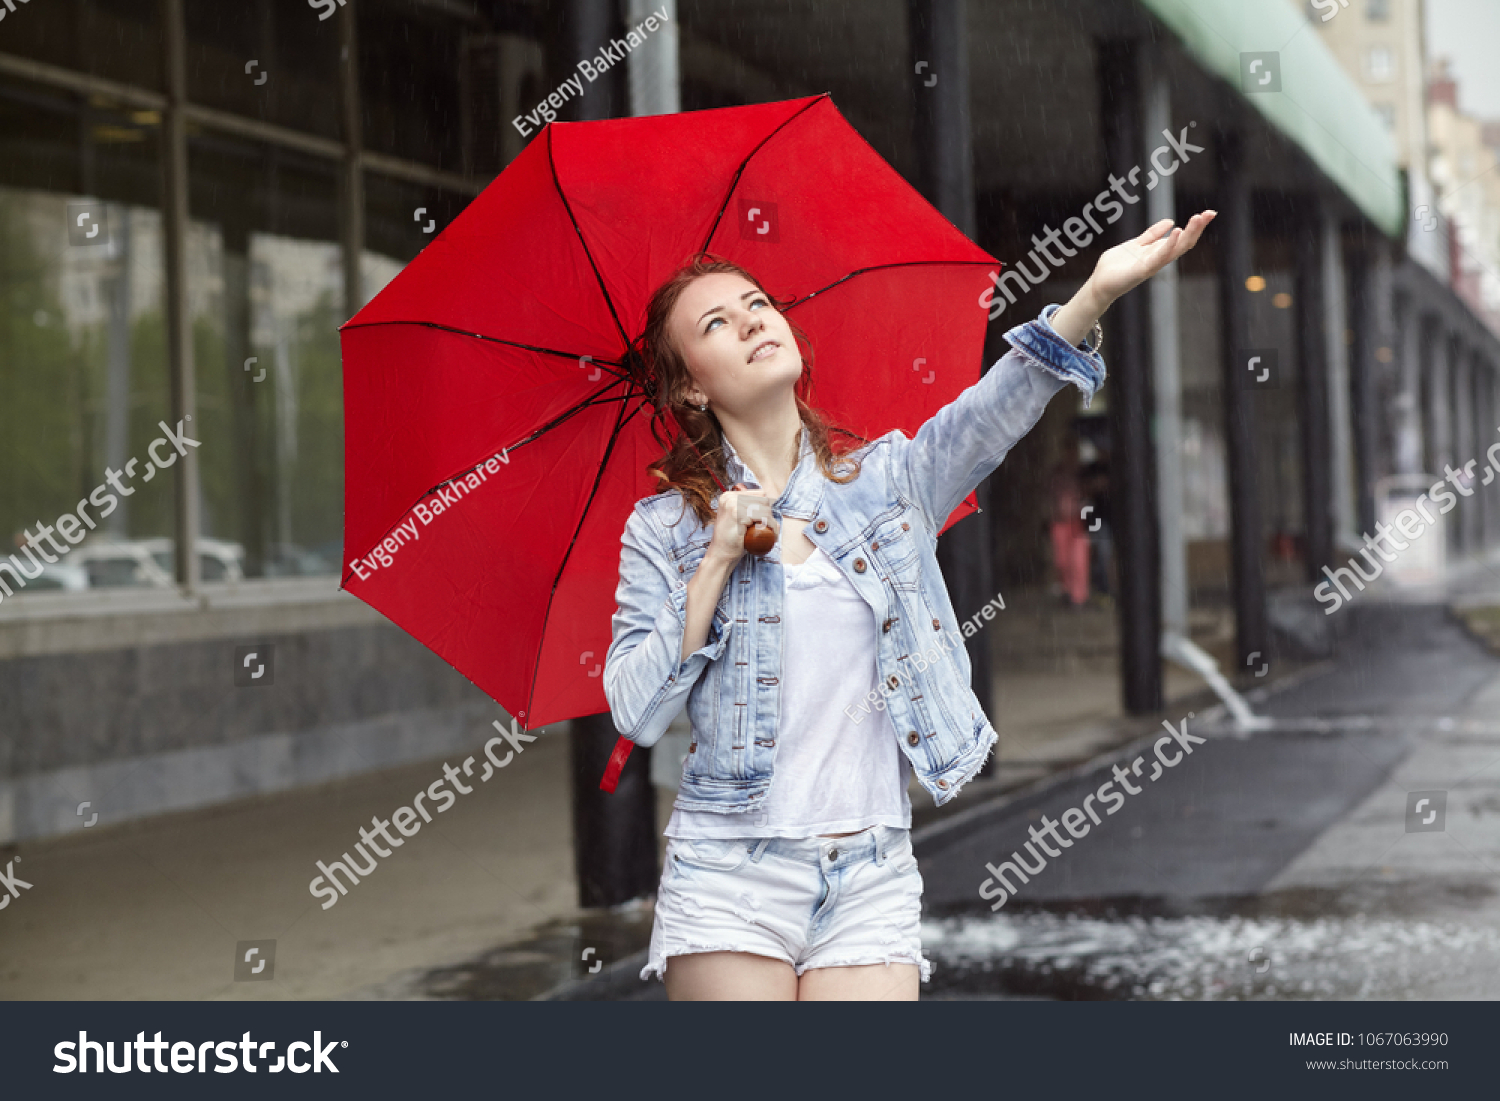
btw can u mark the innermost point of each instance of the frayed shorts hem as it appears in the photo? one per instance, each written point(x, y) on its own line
point(658, 965)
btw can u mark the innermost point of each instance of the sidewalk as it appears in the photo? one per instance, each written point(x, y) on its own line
point(154, 909)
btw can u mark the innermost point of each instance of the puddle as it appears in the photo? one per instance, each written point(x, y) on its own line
point(553, 954)
point(1074, 954)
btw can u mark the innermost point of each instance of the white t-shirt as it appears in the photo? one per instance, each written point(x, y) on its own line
point(832, 775)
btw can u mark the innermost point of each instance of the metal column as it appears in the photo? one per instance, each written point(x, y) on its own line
point(352, 206)
point(941, 137)
point(1371, 365)
point(1235, 266)
point(1335, 326)
point(1461, 401)
point(174, 209)
point(1484, 435)
point(1133, 462)
point(653, 69)
point(1312, 354)
point(1166, 359)
point(614, 835)
point(1408, 402)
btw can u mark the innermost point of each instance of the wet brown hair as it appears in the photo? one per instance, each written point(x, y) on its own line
point(699, 448)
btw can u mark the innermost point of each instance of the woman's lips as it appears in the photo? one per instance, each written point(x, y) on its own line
point(763, 349)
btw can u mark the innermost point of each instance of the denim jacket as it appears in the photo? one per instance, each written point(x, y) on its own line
point(881, 530)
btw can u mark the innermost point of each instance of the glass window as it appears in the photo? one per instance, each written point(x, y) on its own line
point(275, 62)
point(1380, 63)
point(409, 61)
point(83, 363)
point(266, 297)
point(1378, 11)
point(392, 228)
point(116, 39)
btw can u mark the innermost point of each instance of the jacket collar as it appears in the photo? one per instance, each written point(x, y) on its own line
point(804, 489)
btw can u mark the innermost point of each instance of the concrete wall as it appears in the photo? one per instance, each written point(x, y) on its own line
point(134, 708)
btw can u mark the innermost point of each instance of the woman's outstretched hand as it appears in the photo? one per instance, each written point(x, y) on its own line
point(1125, 267)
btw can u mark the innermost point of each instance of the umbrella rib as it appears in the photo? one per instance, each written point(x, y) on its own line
point(620, 422)
point(883, 267)
point(496, 340)
point(568, 207)
point(734, 183)
point(566, 414)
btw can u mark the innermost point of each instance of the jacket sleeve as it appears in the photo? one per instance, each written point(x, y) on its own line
point(644, 681)
point(967, 439)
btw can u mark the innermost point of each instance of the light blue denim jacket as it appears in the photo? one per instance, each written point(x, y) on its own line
point(881, 529)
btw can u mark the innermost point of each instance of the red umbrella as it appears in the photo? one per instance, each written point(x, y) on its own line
point(497, 436)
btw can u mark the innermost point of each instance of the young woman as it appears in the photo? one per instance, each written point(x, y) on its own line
point(789, 870)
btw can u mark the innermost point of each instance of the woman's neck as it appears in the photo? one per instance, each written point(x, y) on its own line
point(767, 444)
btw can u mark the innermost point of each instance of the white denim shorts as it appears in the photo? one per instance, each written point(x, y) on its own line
point(813, 902)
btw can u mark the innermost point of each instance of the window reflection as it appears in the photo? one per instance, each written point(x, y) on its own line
point(266, 304)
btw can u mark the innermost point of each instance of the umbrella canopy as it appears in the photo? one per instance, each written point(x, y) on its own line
point(496, 434)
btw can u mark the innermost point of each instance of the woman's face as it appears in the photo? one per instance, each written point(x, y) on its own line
point(739, 350)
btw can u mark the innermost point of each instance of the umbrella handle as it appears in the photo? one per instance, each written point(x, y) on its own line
point(759, 537)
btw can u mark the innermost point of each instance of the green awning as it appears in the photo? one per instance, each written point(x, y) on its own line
point(1319, 107)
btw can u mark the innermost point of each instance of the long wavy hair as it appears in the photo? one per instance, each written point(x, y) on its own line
point(695, 455)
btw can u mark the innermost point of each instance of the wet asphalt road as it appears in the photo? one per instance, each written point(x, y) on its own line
point(1274, 865)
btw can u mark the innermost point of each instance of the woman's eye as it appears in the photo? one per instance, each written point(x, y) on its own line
point(711, 323)
point(758, 302)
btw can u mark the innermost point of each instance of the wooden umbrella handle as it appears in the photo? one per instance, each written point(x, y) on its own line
point(760, 537)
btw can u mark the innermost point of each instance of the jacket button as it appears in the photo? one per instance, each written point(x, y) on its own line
point(905, 526)
point(893, 680)
point(886, 626)
point(875, 546)
point(936, 626)
point(859, 565)
point(943, 784)
point(821, 526)
point(693, 748)
point(913, 738)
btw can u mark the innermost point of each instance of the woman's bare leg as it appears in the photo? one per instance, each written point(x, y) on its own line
point(730, 977)
point(875, 982)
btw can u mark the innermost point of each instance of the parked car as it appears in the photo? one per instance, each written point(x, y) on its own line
point(120, 563)
point(217, 560)
point(55, 577)
point(152, 563)
point(292, 560)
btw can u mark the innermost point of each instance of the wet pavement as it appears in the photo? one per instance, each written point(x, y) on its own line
point(1282, 864)
point(1292, 863)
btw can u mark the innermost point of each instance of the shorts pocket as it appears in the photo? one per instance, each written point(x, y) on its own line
point(710, 855)
point(902, 860)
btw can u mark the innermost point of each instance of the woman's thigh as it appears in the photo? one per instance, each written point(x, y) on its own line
point(730, 976)
point(895, 982)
